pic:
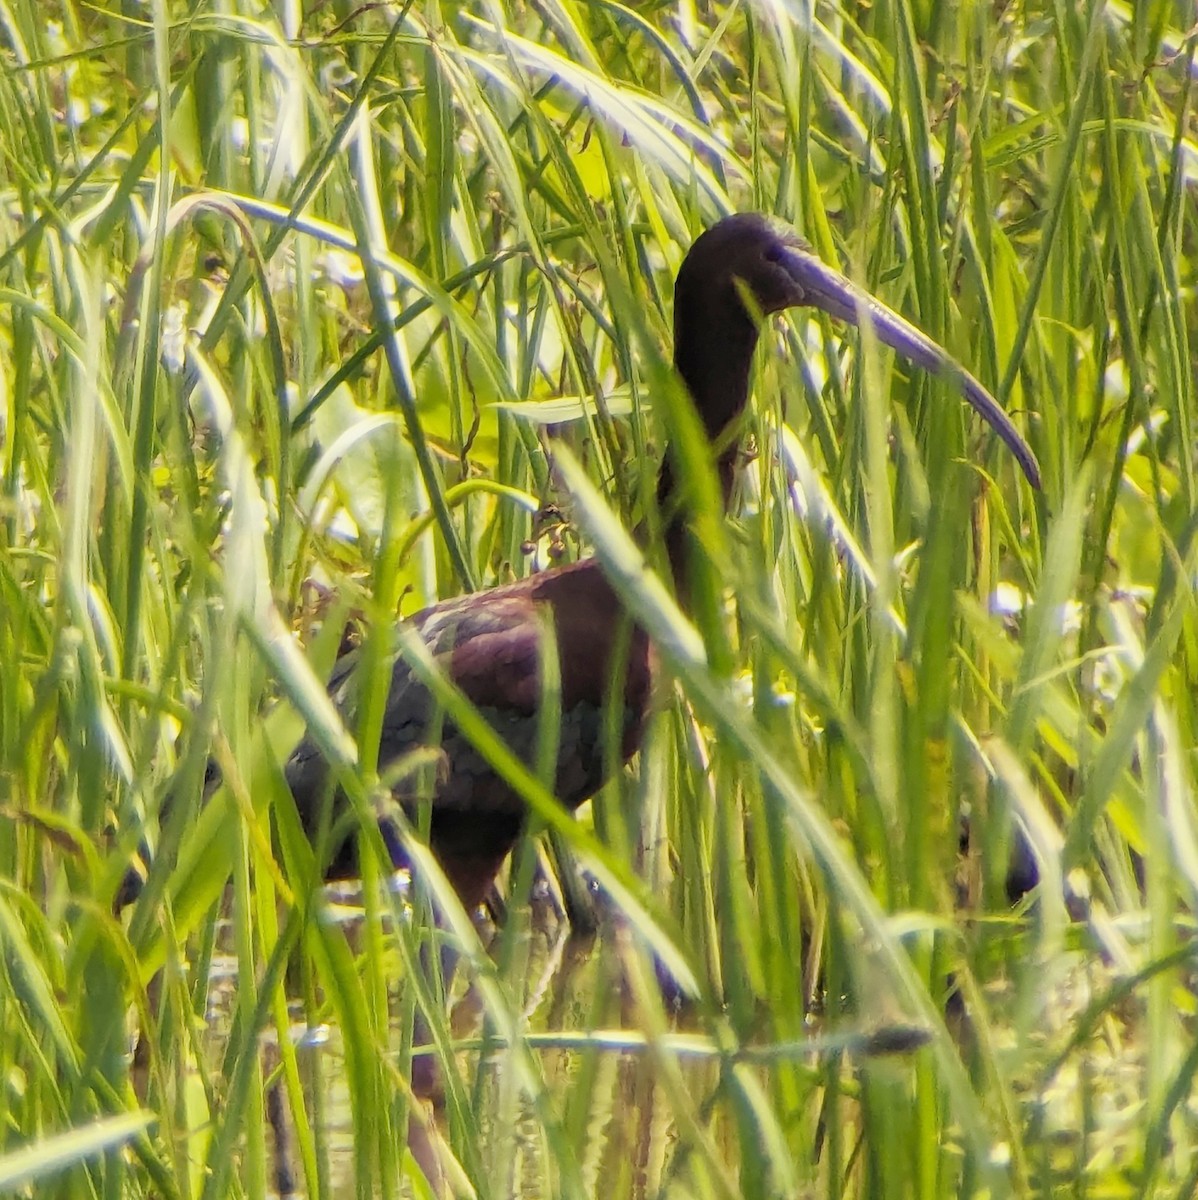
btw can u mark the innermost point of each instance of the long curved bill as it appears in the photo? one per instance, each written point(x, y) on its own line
point(824, 288)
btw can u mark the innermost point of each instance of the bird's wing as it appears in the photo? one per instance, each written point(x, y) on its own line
point(491, 653)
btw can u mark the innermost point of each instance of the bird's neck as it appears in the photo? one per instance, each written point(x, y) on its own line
point(714, 360)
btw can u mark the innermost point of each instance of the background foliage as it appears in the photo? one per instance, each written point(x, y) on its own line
point(294, 304)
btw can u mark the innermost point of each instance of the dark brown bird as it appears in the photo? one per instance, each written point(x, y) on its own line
point(489, 643)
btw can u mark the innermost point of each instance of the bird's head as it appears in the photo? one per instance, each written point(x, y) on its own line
point(748, 266)
point(746, 251)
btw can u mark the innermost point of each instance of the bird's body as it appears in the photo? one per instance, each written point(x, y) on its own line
point(491, 647)
point(489, 644)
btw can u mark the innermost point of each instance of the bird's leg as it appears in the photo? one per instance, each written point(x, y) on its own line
point(426, 1076)
point(428, 1082)
point(437, 963)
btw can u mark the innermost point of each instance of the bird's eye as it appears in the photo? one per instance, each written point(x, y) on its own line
point(774, 252)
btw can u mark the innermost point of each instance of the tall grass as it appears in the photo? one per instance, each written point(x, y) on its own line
point(339, 300)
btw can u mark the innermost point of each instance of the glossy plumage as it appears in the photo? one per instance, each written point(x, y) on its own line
point(489, 643)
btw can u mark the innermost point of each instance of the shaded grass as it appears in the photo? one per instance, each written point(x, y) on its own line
point(212, 224)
